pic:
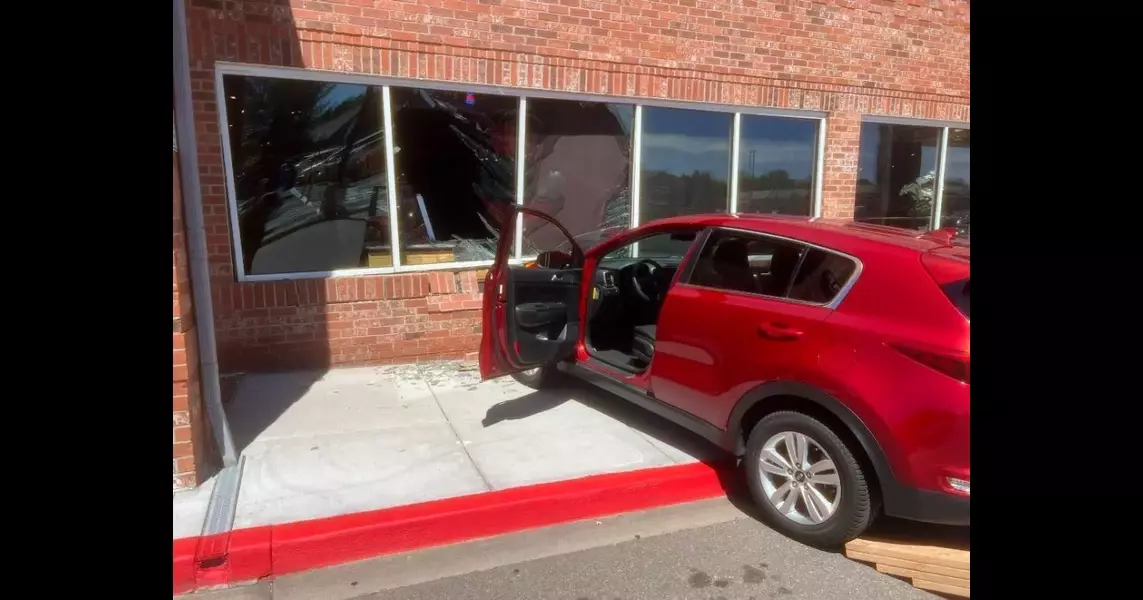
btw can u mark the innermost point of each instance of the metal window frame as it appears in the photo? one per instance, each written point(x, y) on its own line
point(942, 154)
point(819, 171)
point(391, 178)
point(939, 184)
point(735, 139)
point(521, 182)
point(636, 173)
point(225, 68)
point(915, 122)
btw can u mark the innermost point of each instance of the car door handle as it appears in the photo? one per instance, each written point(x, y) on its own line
point(778, 331)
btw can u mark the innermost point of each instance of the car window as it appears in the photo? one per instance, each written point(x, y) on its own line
point(821, 277)
point(745, 262)
point(669, 247)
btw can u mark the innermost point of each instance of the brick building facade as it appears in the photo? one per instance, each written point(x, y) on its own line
point(849, 62)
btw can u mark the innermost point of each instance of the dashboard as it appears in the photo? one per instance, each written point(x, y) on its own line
point(614, 277)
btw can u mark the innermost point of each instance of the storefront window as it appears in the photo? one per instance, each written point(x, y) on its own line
point(455, 162)
point(309, 174)
point(686, 162)
point(578, 169)
point(311, 171)
point(954, 202)
point(776, 165)
point(896, 178)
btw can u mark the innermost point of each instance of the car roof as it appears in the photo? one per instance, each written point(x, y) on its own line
point(845, 236)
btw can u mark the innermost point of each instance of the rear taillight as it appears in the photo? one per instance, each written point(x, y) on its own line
point(954, 366)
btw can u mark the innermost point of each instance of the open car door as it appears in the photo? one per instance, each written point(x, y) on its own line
point(531, 312)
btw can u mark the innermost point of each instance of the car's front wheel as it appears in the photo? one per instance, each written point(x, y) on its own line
point(806, 482)
point(536, 377)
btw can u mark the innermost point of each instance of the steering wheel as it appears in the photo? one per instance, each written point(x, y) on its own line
point(643, 279)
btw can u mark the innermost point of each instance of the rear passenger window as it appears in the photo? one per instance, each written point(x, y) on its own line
point(743, 262)
point(821, 277)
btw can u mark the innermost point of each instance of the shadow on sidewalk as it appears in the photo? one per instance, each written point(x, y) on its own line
point(570, 389)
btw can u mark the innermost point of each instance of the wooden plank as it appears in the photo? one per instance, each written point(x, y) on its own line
point(909, 564)
point(911, 574)
point(924, 553)
point(941, 588)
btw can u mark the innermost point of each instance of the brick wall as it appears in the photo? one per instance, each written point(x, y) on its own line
point(190, 437)
point(348, 320)
point(846, 57)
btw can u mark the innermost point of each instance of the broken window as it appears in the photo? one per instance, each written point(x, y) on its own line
point(454, 158)
point(578, 170)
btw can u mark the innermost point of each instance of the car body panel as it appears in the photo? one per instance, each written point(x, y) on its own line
point(522, 323)
point(710, 351)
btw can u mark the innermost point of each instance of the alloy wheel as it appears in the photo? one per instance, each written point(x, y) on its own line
point(799, 478)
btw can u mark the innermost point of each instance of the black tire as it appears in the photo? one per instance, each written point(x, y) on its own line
point(858, 505)
point(542, 377)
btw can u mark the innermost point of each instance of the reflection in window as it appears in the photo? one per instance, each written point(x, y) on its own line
point(776, 165)
point(667, 248)
point(454, 157)
point(954, 203)
point(686, 162)
point(578, 169)
point(896, 175)
point(309, 174)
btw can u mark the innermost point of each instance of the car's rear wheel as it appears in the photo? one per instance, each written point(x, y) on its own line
point(806, 482)
point(535, 378)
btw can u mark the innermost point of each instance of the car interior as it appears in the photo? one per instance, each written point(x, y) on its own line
point(624, 306)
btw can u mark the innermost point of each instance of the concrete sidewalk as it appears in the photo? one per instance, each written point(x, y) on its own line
point(322, 444)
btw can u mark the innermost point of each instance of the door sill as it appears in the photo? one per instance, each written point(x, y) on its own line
point(603, 358)
point(648, 401)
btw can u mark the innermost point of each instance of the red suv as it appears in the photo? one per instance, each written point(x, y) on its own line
point(832, 357)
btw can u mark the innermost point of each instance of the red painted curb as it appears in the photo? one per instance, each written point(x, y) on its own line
point(291, 547)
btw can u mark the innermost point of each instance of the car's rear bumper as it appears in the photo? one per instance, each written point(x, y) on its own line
point(927, 506)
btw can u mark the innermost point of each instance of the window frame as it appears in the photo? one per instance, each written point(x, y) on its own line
point(712, 231)
point(942, 153)
point(522, 94)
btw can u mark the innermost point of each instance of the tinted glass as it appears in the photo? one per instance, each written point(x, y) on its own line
point(821, 277)
point(578, 169)
point(776, 165)
point(896, 175)
point(954, 204)
point(309, 174)
point(686, 162)
point(957, 293)
point(670, 247)
point(749, 263)
point(455, 162)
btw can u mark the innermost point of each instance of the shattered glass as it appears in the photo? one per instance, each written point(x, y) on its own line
point(454, 157)
point(578, 170)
